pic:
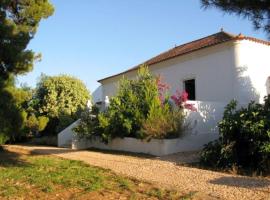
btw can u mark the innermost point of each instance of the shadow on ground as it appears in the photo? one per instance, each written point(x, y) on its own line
point(241, 181)
point(120, 153)
point(50, 151)
point(36, 149)
point(178, 158)
point(11, 159)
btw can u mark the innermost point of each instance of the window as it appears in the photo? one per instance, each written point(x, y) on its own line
point(189, 86)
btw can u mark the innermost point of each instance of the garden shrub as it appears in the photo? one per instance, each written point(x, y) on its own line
point(164, 123)
point(42, 122)
point(89, 124)
point(244, 138)
point(3, 138)
point(164, 120)
point(141, 109)
point(35, 124)
point(130, 107)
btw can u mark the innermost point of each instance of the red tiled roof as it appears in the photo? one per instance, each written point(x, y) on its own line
point(195, 45)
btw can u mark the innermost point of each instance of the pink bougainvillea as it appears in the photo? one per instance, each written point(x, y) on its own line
point(179, 98)
point(163, 87)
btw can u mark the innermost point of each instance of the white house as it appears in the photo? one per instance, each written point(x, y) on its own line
point(213, 70)
point(216, 68)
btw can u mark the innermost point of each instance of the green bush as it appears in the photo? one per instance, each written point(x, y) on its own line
point(42, 123)
point(12, 115)
point(244, 138)
point(36, 124)
point(89, 124)
point(32, 123)
point(130, 107)
point(141, 109)
point(3, 138)
point(164, 122)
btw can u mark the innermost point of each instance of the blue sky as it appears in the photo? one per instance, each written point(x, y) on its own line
point(92, 39)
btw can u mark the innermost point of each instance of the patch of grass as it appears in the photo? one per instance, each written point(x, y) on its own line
point(156, 192)
point(161, 193)
point(10, 190)
point(39, 177)
point(188, 196)
point(46, 172)
point(124, 183)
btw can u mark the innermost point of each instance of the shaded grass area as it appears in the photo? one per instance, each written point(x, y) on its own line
point(46, 177)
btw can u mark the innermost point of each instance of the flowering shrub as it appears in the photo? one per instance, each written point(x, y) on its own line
point(142, 109)
point(180, 99)
point(164, 121)
point(162, 90)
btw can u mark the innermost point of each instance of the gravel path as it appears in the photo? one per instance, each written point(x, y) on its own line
point(165, 173)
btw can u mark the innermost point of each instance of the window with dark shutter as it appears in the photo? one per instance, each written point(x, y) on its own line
point(189, 86)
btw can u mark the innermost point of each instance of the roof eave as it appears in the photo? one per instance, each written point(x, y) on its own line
point(234, 38)
point(136, 68)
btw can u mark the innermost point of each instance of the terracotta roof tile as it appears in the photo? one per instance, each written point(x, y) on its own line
point(195, 45)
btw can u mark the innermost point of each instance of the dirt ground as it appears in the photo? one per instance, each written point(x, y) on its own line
point(166, 173)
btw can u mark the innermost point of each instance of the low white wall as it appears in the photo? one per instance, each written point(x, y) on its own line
point(202, 129)
point(154, 147)
point(64, 138)
point(205, 119)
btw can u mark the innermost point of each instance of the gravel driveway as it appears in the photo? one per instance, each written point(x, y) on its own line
point(165, 173)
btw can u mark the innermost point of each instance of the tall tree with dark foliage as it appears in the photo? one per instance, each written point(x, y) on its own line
point(19, 20)
point(257, 11)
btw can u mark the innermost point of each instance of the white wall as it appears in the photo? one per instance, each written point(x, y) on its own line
point(97, 94)
point(252, 71)
point(64, 138)
point(232, 70)
point(213, 70)
point(211, 67)
point(153, 147)
point(205, 120)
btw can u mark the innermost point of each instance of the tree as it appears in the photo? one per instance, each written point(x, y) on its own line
point(61, 98)
point(12, 112)
point(258, 11)
point(19, 20)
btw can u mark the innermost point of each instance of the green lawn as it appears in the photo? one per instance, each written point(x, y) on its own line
point(46, 177)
